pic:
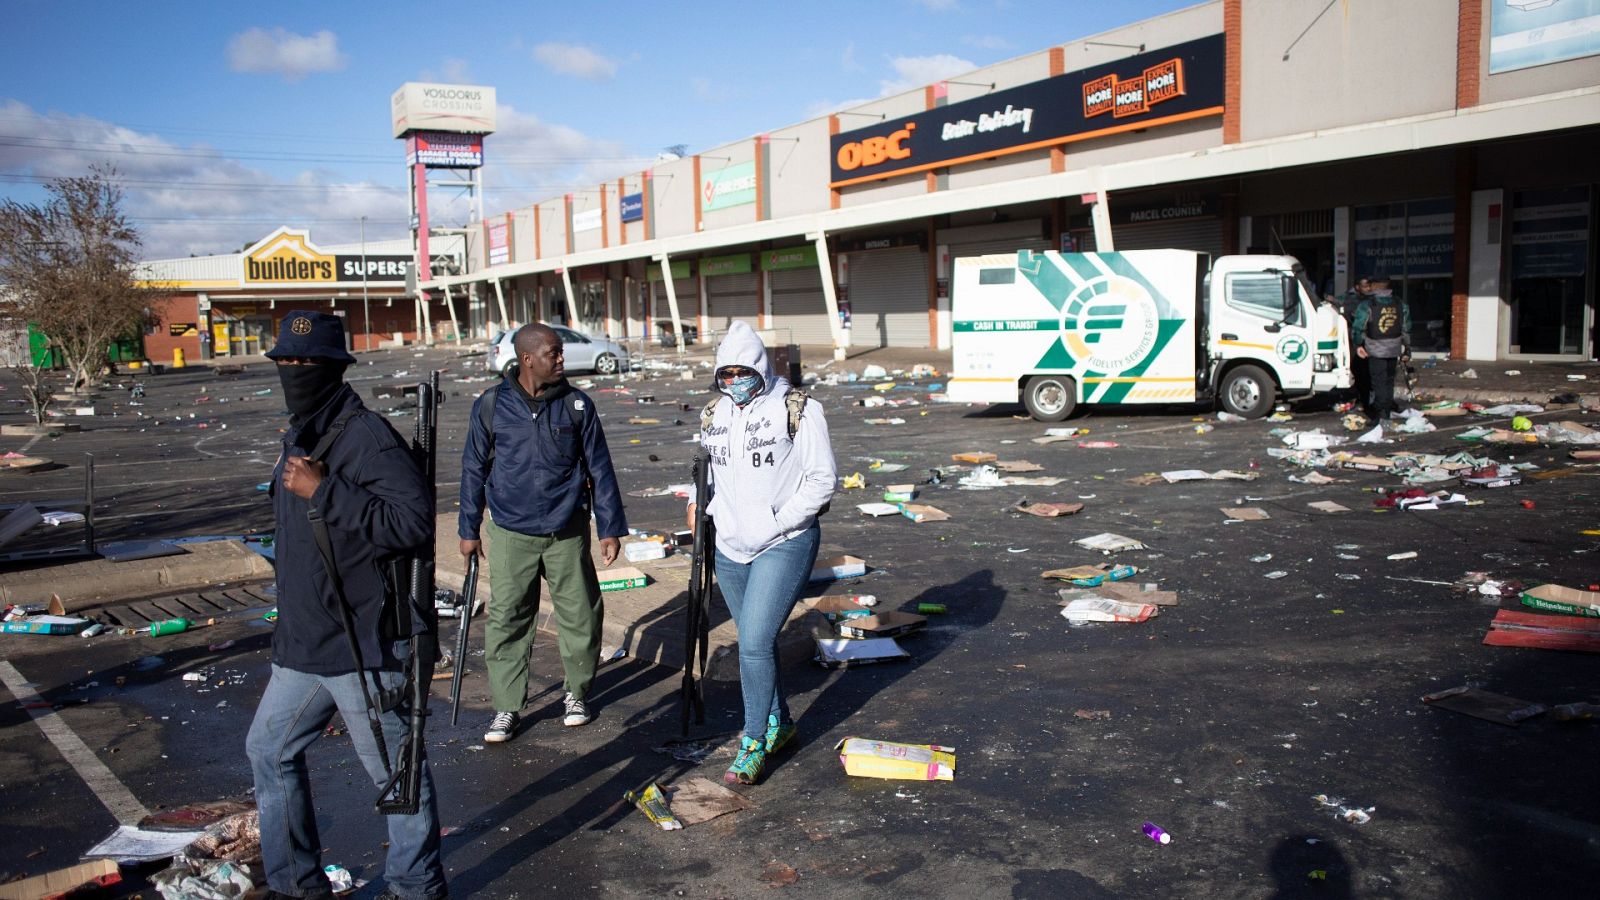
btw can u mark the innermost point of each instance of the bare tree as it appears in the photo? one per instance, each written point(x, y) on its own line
point(69, 264)
point(32, 375)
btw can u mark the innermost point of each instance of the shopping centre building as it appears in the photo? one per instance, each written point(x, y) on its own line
point(1452, 145)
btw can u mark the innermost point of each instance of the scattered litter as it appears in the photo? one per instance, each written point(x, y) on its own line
point(1098, 609)
point(1515, 628)
point(1091, 576)
point(835, 567)
point(975, 457)
point(921, 512)
point(878, 509)
point(1156, 833)
point(881, 625)
point(1097, 445)
point(1375, 436)
point(101, 872)
point(1047, 510)
point(1265, 557)
point(1017, 466)
point(1490, 707)
point(1469, 373)
point(1092, 714)
point(1107, 542)
point(339, 878)
point(1275, 575)
point(699, 750)
point(1554, 598)
point(653, 803)
point(1355, 815)
point(843, 652)
point(1409, 554)
point(893, 420)
point(1246, 514)
point(1198, 475)
point(132, 844)
point(866, 758)
point(982, 477)
point(1328, 506)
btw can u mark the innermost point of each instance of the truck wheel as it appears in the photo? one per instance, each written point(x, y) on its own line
point(1248, 391)
point(1050, 398)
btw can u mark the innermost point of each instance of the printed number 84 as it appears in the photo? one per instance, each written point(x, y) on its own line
point(758, 461)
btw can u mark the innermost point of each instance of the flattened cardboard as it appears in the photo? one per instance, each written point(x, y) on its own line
point(841, 653)
point(699, 799)
point(622, 579)
point(878, 509)
point(922, 512)
point(1017, 466)
point(1328, 506)
point(883, 625)
point(1363, 463)
point(1491, 707)
point(101, 871)
point(1585, 454)
point(1048, 510)
point(1137, 593)
point(975, 457)
point(1247, 514)
point(1567, 601)
point(838, 567)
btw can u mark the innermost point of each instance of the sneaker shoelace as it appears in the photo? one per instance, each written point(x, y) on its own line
point(575, 707)
point(502, 722)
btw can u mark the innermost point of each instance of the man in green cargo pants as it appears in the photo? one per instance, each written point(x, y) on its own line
point(536, 457)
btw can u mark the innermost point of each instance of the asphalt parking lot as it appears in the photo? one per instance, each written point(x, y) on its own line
point(1220, 719)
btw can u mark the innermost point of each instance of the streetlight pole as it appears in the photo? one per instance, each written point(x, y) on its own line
point(366, 308)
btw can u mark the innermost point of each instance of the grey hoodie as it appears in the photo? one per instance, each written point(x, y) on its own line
point(765, 488)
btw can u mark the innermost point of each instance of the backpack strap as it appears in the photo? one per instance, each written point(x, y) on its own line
point(709, 413)
point(335, 428)
point(795, 402)
point(486, 419)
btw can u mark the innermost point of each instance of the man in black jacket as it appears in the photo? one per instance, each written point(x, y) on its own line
point(369, 490)
point(536, 451)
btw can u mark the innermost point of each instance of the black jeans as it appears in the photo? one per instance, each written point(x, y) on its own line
point(1382, 371)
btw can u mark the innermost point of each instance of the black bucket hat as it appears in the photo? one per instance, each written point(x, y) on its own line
point(313, 335)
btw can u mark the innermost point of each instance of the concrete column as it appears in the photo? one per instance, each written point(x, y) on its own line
point(830, 295)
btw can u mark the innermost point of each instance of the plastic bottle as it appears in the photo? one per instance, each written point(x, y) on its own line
point(931, 608)
point(1155, 833)
point(170, 626)
point(92, 630)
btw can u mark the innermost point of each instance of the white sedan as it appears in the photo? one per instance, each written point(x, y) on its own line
point(583, 353)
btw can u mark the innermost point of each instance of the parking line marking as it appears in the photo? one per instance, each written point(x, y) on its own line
point(110, 790)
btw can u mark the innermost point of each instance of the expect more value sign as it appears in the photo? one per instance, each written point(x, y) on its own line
point(1169, 85)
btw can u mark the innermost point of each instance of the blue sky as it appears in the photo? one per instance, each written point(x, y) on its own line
point(227, 121)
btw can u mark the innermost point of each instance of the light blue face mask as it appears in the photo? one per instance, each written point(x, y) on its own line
point(743, 389)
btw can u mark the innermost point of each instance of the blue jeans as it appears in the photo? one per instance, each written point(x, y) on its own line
point(294, 710)
point(760, 594)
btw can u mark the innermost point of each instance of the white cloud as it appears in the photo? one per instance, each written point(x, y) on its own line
point(912, 72)
point(986, 41)
point(452, 70)
point(939, 5)
point(847, 60)
point(575, 60)
point(282, 52)
point(194, 199)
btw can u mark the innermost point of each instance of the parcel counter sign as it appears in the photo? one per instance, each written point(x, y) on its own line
point(1163, 86)
point(288, 258)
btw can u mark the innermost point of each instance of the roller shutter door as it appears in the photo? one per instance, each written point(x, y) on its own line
point(1012, 245)
point(889, 298)
point(688, 292)
point(1203, 235)
point(733, 297)
point(799, 306)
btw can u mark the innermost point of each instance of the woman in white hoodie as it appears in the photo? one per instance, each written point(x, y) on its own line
point(767, 489)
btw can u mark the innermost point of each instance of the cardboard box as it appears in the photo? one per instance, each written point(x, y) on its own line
point(921, 512)
point(622, 579)
point(644, 551)
point(46, 625)
point(900, 493)
point(838, 567)
point(865, 758)
point(102, 872)
point(1364, 464)
point(1567, 601)
point(976, 457)
point(883, 625)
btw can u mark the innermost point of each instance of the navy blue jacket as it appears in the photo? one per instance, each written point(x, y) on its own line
point(377, 507)
point(535, 483)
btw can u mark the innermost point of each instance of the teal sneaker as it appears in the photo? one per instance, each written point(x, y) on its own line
point(747, 765)
point(778, 733)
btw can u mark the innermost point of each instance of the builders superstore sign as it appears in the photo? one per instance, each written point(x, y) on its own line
point(288, 258)
point(1168, 85)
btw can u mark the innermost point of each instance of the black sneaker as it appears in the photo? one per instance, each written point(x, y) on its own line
point(501, 728)
point(577, 712)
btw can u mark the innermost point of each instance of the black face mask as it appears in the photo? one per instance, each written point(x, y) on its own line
point(307, 389)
